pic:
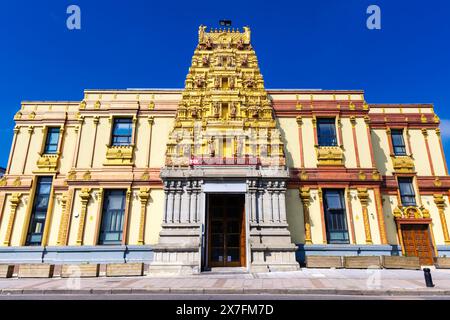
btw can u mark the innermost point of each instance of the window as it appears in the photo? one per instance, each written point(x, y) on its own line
point(112, 218)
point(326, 132)
point(335, 216)
point(51, 141)
point(398, 143)
point(39, 212)
point(122, 131)
point(407, 193)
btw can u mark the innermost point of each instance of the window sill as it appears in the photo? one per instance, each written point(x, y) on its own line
point(119, 155)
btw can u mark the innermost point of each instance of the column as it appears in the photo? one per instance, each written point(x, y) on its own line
point(126, 220)
point(30, 133)
point(355, 140)
point(305, 196)
point(150, 124)
point(96, 119)
point(300, 141)
point(85, 196)
point(169, 211)
point(13, 148)
point(14, 202)
point(66, 205)
point(363, 196)
point(427, 145)
point(282, 200)
point(440, 204)
point(144, 195)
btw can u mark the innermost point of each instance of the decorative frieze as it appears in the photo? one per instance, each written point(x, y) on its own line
point(305, 196)
point(440, 204)
point(330, 156)
point(119, 155)
point(363, 196)
point(14, 202)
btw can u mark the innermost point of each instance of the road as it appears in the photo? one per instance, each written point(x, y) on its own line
point(232, 297)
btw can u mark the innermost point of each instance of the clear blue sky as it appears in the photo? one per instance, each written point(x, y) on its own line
point(149, 44)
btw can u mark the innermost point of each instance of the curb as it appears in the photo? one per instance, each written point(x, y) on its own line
point(240, 291)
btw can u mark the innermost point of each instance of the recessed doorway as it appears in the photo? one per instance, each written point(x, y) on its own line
point(226, 238)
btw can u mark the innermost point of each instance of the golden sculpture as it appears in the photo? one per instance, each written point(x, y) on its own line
point(225, 112)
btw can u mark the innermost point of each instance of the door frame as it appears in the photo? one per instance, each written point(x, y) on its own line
point(244, 229)
point(423, 221)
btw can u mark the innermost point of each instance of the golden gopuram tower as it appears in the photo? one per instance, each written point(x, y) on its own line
point(224, 148)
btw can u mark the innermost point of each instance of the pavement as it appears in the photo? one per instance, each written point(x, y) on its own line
point(314, 283)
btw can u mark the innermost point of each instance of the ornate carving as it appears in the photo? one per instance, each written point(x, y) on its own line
point(224, 101)
point(305, 196)
point(47, 163)
point(14, 201)
point(440, 204)
point(363, 196)
point(85, 196)
point(144, 196)
point(119, 155)
point(411, 212)
point(330, 156)
point(403, 164)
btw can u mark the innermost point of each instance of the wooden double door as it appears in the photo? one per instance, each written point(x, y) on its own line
point(417, 242)
point(226, 230)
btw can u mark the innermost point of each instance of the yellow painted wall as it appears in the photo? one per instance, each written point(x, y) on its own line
point(316, 218)
point(381, 151)
point(419, 152)
point(20, 220)
point(155, 215)
point(56, 221)
point(435, 151)
point(75, 220)
point(309, 150)
point(295, 216)
point(160, 135)
point(90, 227)
point(349, 146)
point(363, 144)
point(373, 218)
point(35, 147)
point(428, 202)
point(68, 148)
point(20, 151)
point(389, 204)
point(289, 135)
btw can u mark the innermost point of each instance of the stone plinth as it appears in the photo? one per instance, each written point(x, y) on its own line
point(399, 262)
point(362, 262)
point(6, 271)
point(36, 270)
point(442, 262)
point(80, 270)
point(124, 269)
point(324, 262)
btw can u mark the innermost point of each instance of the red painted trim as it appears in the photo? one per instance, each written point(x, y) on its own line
point(430, 160)
point(300, 139)
point(369, 137)
point(355, 143)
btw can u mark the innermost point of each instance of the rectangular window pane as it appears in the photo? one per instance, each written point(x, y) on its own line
point(122, 131)
point(407, 194)
point(39, 211)
point(112, 217)
point(398, 143)
point(326, 132)
point(51, 142)
point(335, 216)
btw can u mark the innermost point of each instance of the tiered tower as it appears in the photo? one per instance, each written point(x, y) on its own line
point(225, 115)
point(225, 140)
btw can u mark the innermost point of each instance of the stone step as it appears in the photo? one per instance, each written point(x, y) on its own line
point(400, 262)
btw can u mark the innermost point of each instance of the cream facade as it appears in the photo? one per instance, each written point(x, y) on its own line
point(169, 187)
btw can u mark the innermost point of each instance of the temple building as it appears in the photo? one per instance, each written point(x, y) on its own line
point(223, 173)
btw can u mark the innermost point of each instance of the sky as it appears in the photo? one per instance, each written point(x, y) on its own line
point(320, 44)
